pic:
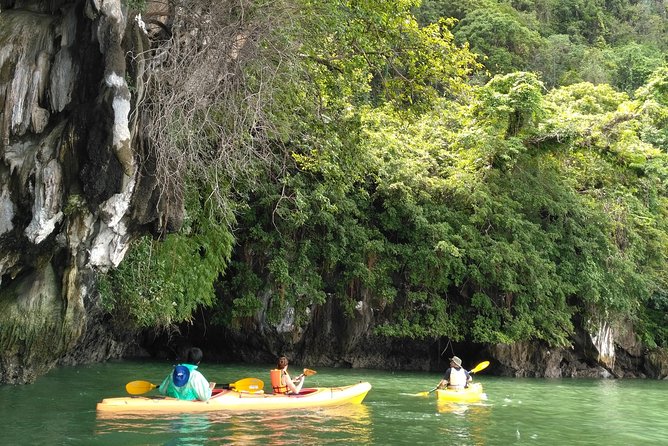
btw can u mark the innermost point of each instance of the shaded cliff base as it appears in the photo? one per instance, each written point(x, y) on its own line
point(102, 341)
point(330, 340)
point(529, 359)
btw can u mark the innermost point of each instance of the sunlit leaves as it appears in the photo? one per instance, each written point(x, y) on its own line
point(492, 213)
point(512, 102)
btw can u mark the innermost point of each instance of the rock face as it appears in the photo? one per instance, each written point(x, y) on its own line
point(68, 176)
point(599, 350)
point(332, 340)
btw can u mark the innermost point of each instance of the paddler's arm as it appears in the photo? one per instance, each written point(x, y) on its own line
point(201, 386)
point(288, 382)
point(444, 381)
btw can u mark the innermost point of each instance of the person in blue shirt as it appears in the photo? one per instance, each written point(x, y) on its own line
point(185, 382)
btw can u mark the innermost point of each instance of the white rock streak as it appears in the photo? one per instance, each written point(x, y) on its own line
point(47, 204)
point(121, 108)
point(6, 210)
point(604, 341)
point(112, 239)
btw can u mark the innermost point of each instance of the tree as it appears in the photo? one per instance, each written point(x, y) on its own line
point(507, 44)
point(512, 102)
point(632, 65)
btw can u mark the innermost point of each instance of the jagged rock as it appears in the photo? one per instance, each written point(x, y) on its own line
point(657, 363)
point(67, 177)
point(536, 360)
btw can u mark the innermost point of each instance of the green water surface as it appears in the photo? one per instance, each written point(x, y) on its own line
point(60, 410)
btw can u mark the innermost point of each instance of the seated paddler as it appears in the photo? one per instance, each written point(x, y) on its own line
point(455, 377)
point(281, 381)
point(185, 382)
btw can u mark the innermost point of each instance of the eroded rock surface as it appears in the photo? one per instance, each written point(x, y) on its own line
point(67, 176)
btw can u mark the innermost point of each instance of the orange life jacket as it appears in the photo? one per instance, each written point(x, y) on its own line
point(277, 381)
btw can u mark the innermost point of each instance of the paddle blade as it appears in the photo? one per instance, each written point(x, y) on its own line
point(479, 367)
point(139, 387)
point(309, 372)
point(247, 385)
point(426, 393)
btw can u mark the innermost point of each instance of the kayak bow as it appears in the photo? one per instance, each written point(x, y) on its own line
point(470, 394)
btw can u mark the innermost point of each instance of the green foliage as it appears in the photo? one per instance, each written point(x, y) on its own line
point(135, 5)
point(377, 52)
point(653, 98)
point(585, 99)
point(492, 213)
point(507, 43)
point(511, 102)
point(161, 283)
point(632, 65)
point(568, 41)
point(452, 225)
point(582, 18)
point(654, 320)
point(562, 61)
point(75, 205)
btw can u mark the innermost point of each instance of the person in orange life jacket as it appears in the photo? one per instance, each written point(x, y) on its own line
point(455, 377)
point(281, 381)
point(185, 382)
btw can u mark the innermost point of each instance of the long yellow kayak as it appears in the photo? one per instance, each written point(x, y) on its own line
point(470, 394)
point(231, 400)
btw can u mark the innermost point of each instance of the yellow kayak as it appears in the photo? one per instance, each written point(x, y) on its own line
point(470, 394)
point(230, 400)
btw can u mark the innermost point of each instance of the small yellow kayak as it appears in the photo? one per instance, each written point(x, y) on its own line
point(230, 400)
point(470, 394)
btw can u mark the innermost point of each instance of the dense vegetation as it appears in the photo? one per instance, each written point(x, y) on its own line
point(567, 41)
point(489, 198)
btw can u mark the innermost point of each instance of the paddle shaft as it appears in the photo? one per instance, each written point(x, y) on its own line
point(307, 372)
point(246, 384)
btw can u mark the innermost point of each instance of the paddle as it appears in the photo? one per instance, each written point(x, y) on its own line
point(307, 372)
point(246, 384)
point(479, 367)
point(426, 393)
point(139, 387)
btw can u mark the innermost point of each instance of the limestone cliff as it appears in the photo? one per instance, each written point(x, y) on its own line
point(68, 177)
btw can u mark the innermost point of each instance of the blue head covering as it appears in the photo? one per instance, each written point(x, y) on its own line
point(181, 375)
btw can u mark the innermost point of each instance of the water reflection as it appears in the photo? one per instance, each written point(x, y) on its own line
point(185, 423)
point(344, 424)
point(189, 429)
point(466, 423)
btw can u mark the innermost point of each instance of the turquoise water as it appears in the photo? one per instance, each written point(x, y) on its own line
point(60, 410)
